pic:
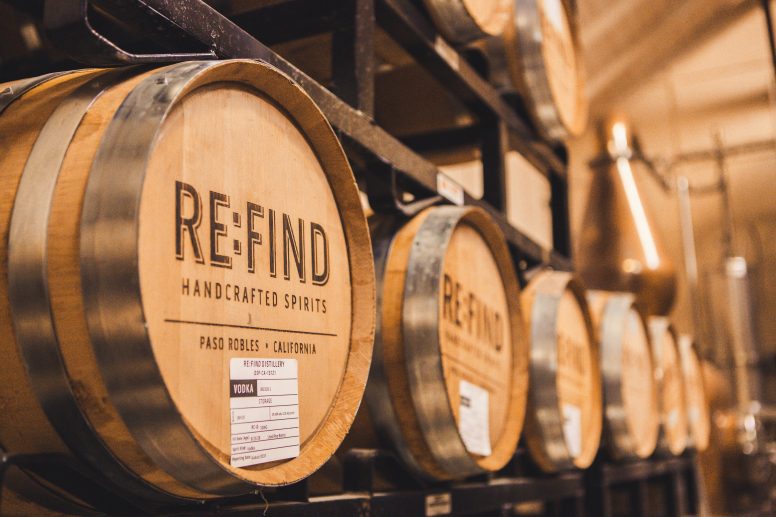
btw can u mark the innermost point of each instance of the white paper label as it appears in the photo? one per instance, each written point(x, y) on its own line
point(449, 189)
point(264, 407)
point(474, 422)
point(438, 504)
point(572, 429)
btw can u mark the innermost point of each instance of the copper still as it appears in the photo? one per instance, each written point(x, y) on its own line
point(619, 249)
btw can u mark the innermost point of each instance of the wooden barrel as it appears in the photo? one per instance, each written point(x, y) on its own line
point(448, 382)
point(187, 286)
point(464, 21)
point(670, 382)
point(631, 416)
point(538, 56)
point(698, 412)
point(564, 418)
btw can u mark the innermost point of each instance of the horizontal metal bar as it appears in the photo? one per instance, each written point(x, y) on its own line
point(732, 150)
point(230, 41)
point(612, 474)
point(329, 506)
point(466, 498)
point(480, 498)
point(475, 498)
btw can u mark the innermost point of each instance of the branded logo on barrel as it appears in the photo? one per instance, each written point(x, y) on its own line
point(210, 229)
point(467, 311)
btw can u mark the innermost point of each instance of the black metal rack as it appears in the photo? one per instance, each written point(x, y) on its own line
point(383, 164)
point(373, 482)
point(657, 487)
point(364, 482)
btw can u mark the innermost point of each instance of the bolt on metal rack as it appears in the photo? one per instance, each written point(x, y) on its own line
point(368, 482)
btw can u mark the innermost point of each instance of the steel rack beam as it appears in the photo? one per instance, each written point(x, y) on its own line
point(324, 506)
point(393, 490)
point(356, 128)
point(675, 479)
point(626, 472)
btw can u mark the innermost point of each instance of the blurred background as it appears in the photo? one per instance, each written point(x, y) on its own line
point(695, 81)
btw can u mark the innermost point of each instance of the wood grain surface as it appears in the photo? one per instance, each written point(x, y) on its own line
point(639, 390)
point(480, 339)
point(673, 399)
point(554, 305)
point(269, 225)
point(24, 427)
point(698, 411)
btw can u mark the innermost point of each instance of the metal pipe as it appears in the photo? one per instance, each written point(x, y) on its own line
point(733, 150)
point(728, 232)
point(688, 249)
point(663, 178)
point(746, 360)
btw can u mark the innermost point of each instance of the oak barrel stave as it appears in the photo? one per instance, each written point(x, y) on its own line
point(564, 416)
point(538, 56)
point(698, 410)
point(674, 430)
point(464, 21)
point(413, 395)
point(78, 239)
point(28, 290)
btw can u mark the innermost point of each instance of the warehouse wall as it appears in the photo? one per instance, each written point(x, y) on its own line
point(723, 87)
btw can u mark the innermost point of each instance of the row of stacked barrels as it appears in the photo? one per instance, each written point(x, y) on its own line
point(532, 48)
point(194, 317)
point(191, 295)
point(464, 363)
